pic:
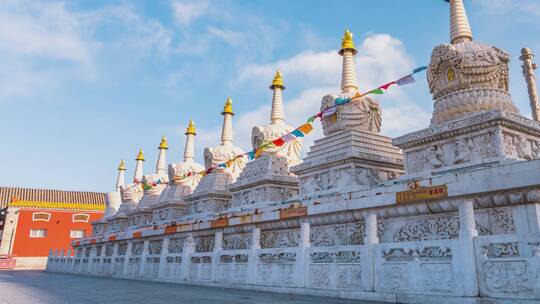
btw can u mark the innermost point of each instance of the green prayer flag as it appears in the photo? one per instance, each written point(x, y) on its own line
point(376, 91)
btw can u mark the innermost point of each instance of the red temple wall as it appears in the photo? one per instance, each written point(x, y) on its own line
point(58, 231)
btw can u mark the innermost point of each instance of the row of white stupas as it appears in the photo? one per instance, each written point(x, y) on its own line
point(465, 77)
point(447, 214)
point(171, 186)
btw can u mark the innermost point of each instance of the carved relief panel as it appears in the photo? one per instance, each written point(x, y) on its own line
point(280, 238)
point(240, 241)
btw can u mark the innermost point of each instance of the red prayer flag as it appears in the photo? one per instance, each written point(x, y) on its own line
point(386, 86)
point(279, 142)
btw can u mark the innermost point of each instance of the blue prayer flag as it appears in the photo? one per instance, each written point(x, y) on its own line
point(420, 69)
point(297, 133)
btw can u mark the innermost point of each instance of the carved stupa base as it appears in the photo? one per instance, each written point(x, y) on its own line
point(468, 102)
point(348, 159)
point(483, 138)
point(265, 180)
point(211, 195)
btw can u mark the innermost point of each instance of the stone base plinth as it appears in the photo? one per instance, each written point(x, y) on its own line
point(483, 138)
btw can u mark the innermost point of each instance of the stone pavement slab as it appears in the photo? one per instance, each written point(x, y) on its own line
point(38, 287)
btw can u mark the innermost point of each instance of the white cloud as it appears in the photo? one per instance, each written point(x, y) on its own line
point(230, 37)
point(526, 8)
point(44, 30)
point(46, 46)
point(186, 12)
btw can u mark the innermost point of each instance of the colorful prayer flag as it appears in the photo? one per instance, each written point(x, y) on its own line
point(340, 101)
point(329, 111)
point(297, 133)
point(405, 80)
point(376, 91)
point(258, 152)
point(287, 137)
point(420, 69)
point(279, 142)
point(387, 85)
point(305, 128)
point(251, 155)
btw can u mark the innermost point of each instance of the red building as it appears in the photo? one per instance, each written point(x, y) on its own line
point(36, 220)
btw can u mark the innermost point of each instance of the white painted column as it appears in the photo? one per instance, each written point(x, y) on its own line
point(467, 232)
point(367, 257)
point(144, 255)
point(218, 247)
point(189, 248)
point(163, 257)
point(252, 259)
point(127, 256)
point(301, 260)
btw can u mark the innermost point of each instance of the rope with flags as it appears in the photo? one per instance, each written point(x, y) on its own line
point(307, 127)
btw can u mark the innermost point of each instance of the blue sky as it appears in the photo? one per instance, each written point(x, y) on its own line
point(84, 84)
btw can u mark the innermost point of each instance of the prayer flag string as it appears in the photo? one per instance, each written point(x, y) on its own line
point(307, 127)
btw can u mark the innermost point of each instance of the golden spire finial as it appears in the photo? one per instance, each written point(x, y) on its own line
point(122, 166)
point(227, 109)
point(278, 81)
point(191, 128)
point(163, 143)
point(140, 156)
point(347, 43)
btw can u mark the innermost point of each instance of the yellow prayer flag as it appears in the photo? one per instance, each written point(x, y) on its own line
point(305, 128)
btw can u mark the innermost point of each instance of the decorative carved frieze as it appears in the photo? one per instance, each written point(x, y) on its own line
point(176, 245)
point(280, 238)
point(236, 241)
point(204, 244)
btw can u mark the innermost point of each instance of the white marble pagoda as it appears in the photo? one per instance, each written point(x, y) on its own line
point(447, 214)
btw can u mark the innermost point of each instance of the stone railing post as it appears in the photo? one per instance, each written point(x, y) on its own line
point(49, 257)
point(91, 257)
point(367, 257)
point(218, 247)
point(113, 259)
point(144, 255)
point(189, 248)
point(252, 258)
point(467, 233)
point(127, 256)
point(301, 259)
point(527, 218)
point(70, 262)
point(163, 257)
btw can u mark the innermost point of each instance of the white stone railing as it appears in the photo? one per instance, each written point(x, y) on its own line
point(277, 266)
point(334, 267)
point(200, 266)
point(508, 266)
point(496, 266)
point(232, 266)
point(424, 267)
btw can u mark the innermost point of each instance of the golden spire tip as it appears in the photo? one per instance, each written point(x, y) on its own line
point(122, 166)
point(227, 109)
point(191, 128)
point(140, 156)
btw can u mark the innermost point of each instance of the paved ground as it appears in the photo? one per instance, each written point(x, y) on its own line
point(37, 287)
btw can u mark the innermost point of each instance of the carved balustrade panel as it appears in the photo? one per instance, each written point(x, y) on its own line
point(508, 266)
point(280, 238)
point(335, 267)
point(425, 267)
point(276, 267)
